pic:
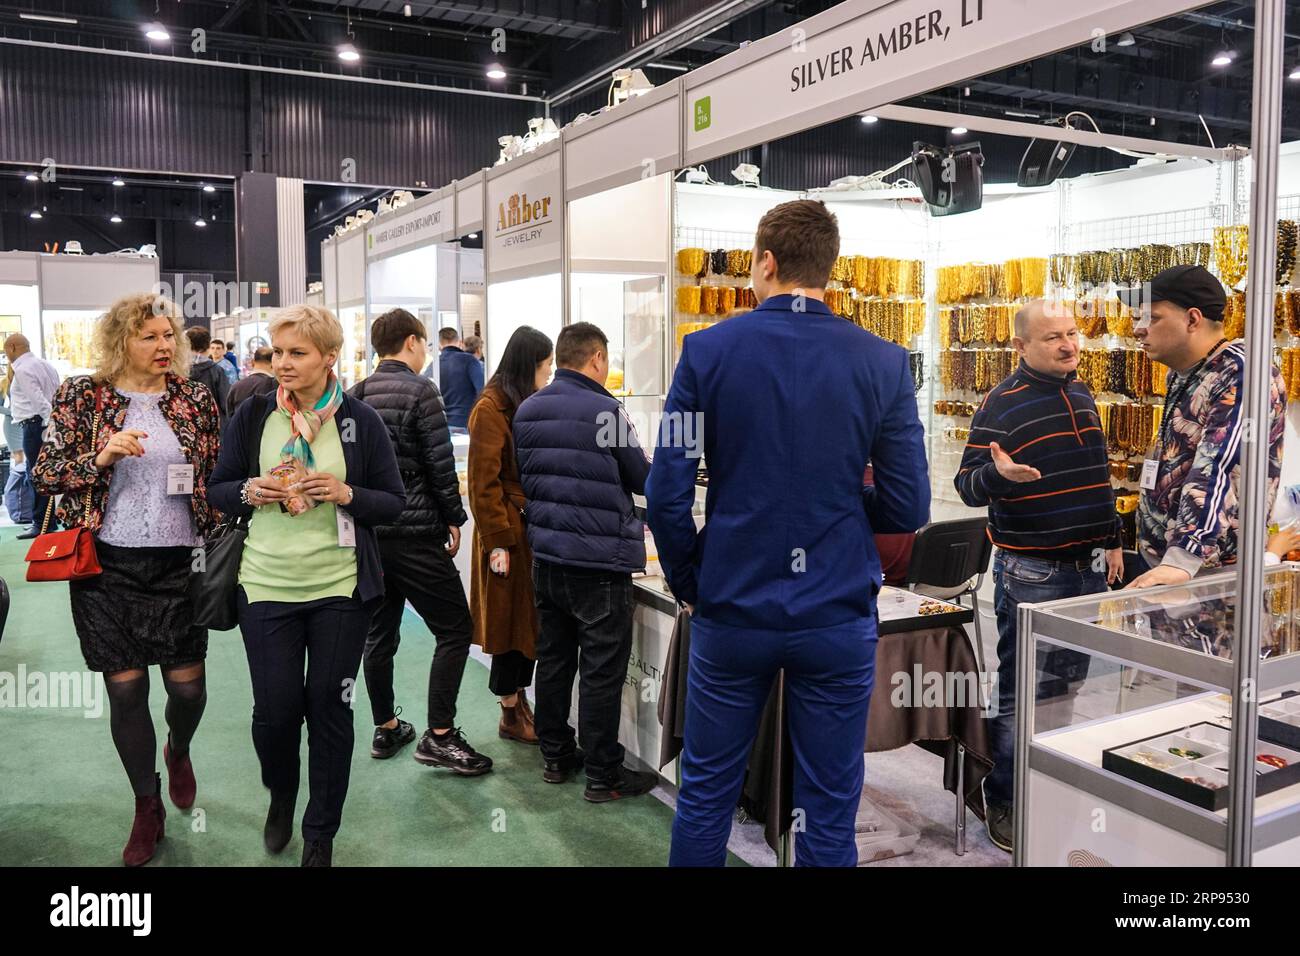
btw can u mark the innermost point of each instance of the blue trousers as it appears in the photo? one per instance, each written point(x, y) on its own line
point(828, 678)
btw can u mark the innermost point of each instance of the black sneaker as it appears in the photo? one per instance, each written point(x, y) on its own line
point(560, 769)
point(389, 740)
point(318, 853)
point(624, 783)
point(452, 751)
point(1000, 821)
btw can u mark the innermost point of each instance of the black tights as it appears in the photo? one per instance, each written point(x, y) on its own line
point(132, 724)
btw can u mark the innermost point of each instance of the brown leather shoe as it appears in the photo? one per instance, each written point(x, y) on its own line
point(526, 707)
point(516, 724)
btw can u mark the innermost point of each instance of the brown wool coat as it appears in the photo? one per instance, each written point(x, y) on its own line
point(505, 617)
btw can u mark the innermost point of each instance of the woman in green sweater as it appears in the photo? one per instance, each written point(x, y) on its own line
point(317, 472)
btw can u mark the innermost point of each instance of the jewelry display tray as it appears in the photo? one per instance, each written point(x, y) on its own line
point(1212, 742)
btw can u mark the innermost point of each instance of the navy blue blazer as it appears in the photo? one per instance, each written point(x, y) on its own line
point(378, 495)
point(460, 379)
point(580, 462)
point(788, 406)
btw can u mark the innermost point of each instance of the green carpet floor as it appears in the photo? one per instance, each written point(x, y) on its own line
point(64, 799)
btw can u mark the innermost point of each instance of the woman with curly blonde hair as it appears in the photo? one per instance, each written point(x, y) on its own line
point(131, 450)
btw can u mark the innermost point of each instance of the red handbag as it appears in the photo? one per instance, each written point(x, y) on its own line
point(66, 555)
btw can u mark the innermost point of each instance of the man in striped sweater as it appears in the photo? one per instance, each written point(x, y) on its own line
point(1036, 458)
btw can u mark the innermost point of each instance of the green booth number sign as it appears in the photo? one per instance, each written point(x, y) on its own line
point(702, 115)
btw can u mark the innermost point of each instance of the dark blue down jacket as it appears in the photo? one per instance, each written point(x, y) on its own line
point(580, 462)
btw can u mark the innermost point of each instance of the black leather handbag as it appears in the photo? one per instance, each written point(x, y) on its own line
point(213, 584)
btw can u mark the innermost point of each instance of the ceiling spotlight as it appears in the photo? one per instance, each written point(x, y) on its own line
point(348, 53)
point(31, 177)
point(473, 235)
point(1295, 74)
point(406, 10)
point(201, 223)
point(1125, 39)
point(209, 189)
point(119, 183)
point(1223, 58)
point(157, 32)
point(36, 214)
point(868, 118)
point(496, 72)
point(959, 131)
point(115, 218)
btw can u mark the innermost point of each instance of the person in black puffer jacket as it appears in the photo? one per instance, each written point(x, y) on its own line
point(417, 551)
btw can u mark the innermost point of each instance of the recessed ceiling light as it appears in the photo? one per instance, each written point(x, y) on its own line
point(201, 223)
point(209, 189)
point(31, 177)
point(157, 32)
point(36, 214)
point(348, 53)
point(495, 72)
point(119, 183)
point(868, 118)
point(115, 218)
point(959, 131)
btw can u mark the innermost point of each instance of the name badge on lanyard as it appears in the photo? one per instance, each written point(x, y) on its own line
point(1150, 469)
point(347, 529)
point(180, 479)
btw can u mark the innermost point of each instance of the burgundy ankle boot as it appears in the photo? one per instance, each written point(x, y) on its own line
point(180, 777)
point(147, 830)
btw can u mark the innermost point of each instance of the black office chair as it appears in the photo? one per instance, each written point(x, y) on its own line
point(949, 559)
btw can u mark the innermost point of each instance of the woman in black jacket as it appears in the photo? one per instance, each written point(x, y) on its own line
point(417, 551)
point(316, 471)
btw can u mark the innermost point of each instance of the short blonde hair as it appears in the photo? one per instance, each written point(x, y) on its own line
point(124, 319)
point(317, 324)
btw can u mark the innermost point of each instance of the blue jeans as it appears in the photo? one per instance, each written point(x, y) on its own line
point(32, 431)
point(1016, 580)
point(828, 678)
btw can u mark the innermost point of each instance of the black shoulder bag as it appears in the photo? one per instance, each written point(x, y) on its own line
point(214, 585)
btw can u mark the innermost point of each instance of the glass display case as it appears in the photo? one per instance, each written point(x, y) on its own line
point(1124, 757)
point(352, 364)
point(632, 311)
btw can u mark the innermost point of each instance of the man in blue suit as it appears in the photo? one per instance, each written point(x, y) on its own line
point(792, 403)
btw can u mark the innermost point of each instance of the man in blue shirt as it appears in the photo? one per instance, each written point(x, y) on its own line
point(460, 378)
point(792, 403)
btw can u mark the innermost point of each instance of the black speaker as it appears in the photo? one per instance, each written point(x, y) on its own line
point(951, 179)
point(1043, 162)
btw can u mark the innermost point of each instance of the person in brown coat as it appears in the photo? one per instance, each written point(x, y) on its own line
point(501, 582)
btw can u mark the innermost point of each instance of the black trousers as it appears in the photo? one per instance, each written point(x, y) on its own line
point(509, 672)
point(324, 638)
point(421, 571)
point(586, 629)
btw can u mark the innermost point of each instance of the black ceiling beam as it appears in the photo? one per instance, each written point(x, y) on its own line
point(287, 16)
point(231, 15)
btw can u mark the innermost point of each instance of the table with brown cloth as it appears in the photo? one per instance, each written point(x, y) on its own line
point(768, 794)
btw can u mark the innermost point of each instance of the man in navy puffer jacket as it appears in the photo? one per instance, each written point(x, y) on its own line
point(580, 463)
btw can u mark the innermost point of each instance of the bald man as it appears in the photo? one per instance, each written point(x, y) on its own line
point(1036, 458)
point(31, 398)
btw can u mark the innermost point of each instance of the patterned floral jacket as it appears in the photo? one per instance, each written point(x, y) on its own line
point(1190, 518)
point(67, 462)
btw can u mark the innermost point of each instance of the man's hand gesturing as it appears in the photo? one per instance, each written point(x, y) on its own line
point(1008, 469)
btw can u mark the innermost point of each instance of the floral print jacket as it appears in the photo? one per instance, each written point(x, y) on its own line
point(67, 462)
point(1189, 519)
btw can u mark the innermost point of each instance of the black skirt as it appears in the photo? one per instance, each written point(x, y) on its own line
point(137, 613)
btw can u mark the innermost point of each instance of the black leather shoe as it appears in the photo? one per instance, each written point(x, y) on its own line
point(318, 853)
point(452, 751)
point(279, 822)
point(1000, 820)
point(562, 768)
point(389, 741)
point(625, 782)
